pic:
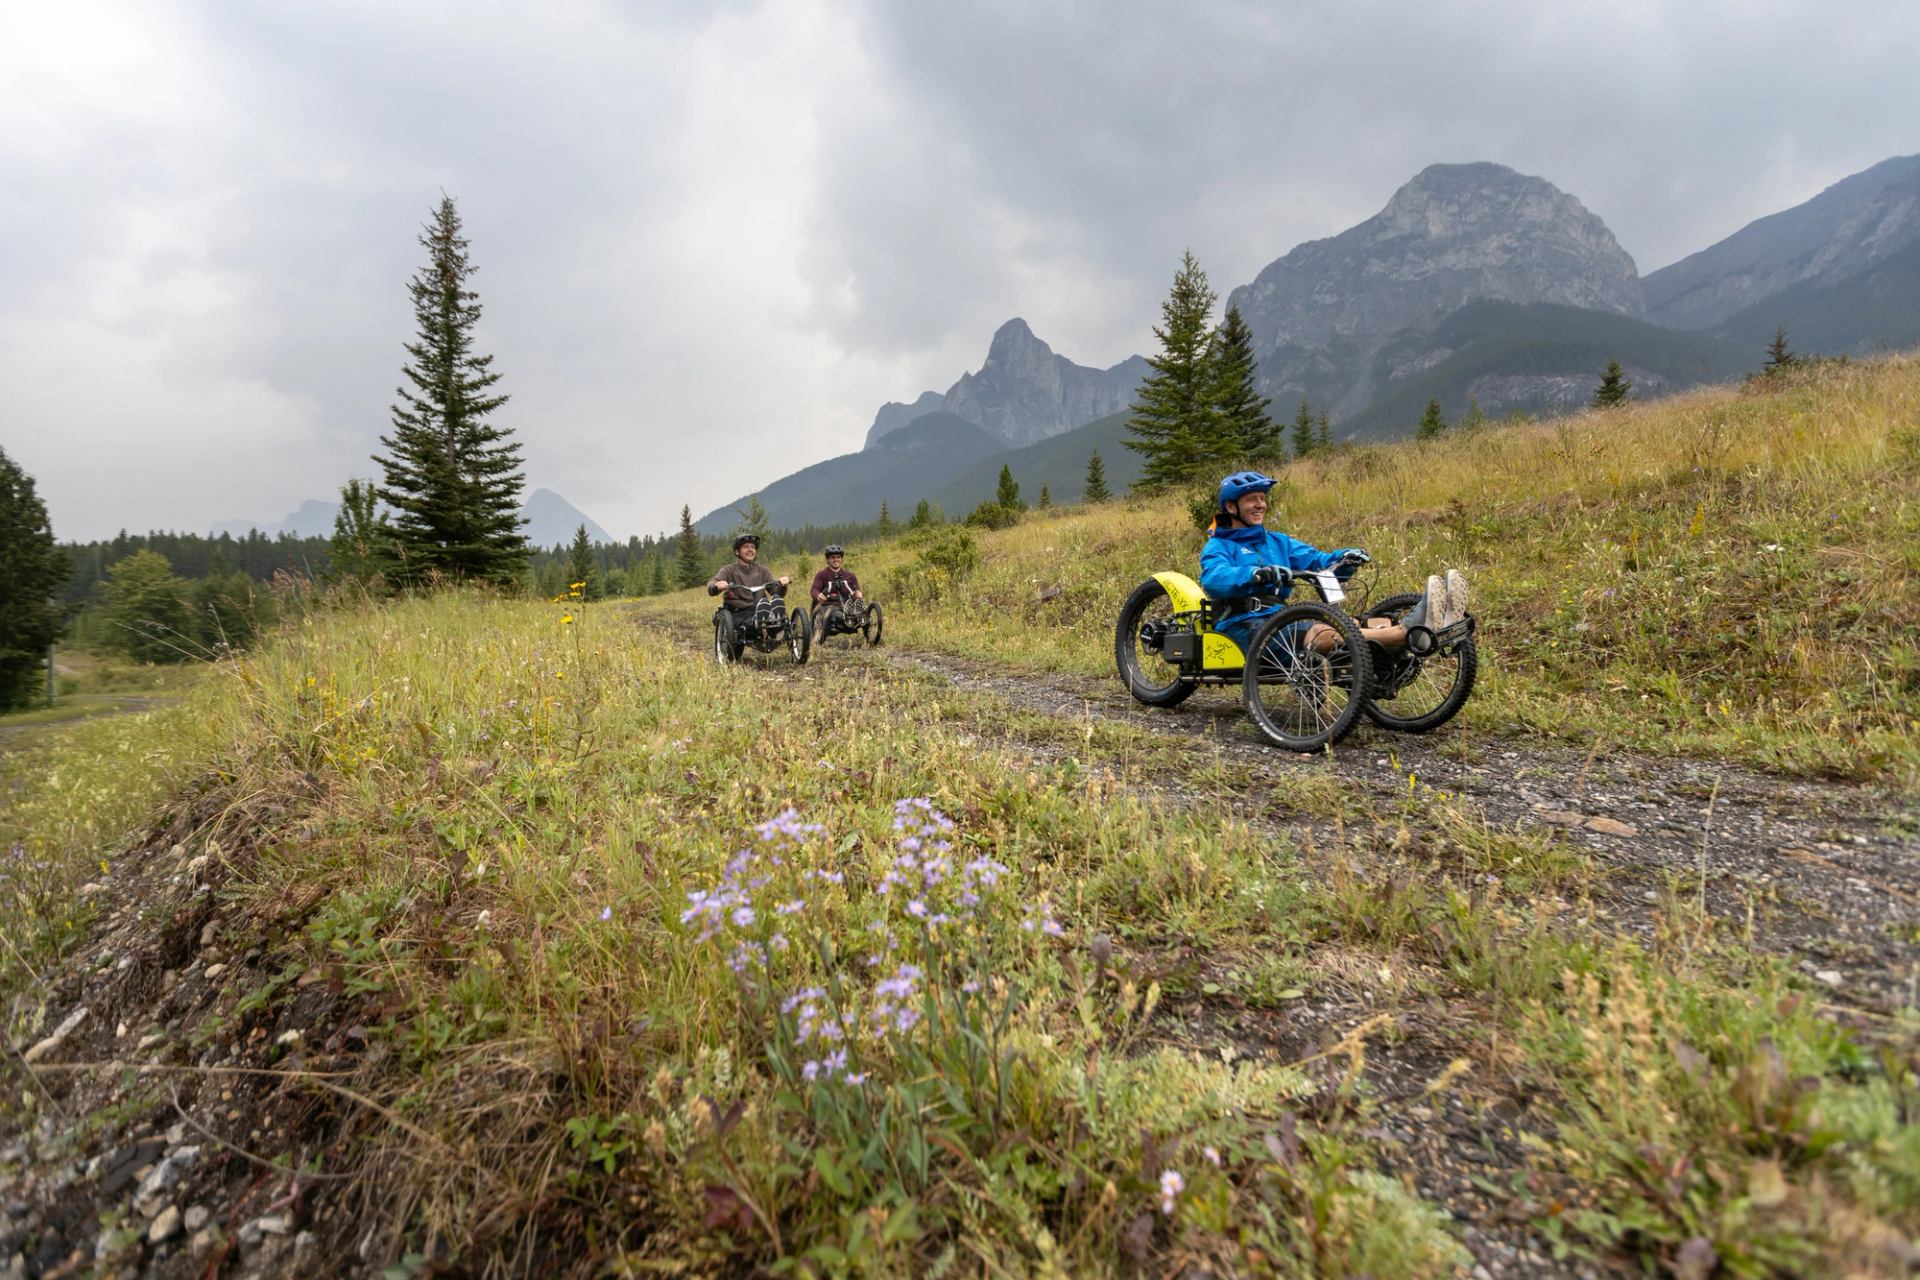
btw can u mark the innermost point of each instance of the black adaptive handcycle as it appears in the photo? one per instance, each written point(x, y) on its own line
point(1302, 697)
point(767, 627)
point(841, 613)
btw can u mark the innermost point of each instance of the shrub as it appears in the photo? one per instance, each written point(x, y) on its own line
point(948, 555)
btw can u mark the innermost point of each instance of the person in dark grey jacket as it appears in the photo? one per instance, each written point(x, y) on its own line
point(744, 572)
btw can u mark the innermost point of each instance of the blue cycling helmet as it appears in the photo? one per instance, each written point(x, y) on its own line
point(1241, 483)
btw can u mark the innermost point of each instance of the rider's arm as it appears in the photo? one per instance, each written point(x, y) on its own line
point(819, 585)
point(1223, 575)
point(716, 586)
point(1304, 555)
point(853, 582)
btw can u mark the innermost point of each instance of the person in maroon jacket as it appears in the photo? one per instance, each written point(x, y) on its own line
point(834, 585)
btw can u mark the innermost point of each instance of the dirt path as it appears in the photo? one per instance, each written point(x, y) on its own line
point(1830, 871)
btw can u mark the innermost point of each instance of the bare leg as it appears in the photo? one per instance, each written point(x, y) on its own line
point(1322, 638)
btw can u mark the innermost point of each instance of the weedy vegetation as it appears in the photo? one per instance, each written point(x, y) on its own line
point(607, 961)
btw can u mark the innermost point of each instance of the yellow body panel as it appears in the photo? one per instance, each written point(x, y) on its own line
point(1217, 652)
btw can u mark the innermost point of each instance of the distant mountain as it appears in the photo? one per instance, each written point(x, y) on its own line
point(311, 519)
point(1844, 231)
point(1058, 462)
point(1453, 235)
point(1023, 392)
point(1538, 359)
point(1875, 307)
point(549, 519)
point(902, 467)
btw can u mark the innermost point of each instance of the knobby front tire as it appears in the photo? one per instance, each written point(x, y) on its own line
point(1302, 699)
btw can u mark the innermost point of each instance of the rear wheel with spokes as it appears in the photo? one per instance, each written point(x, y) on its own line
point(1144, 623)
point(1417, 694)
point(1302, 696)
point(873, 624)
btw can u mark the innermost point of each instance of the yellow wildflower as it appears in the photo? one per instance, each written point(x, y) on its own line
point(565, 618)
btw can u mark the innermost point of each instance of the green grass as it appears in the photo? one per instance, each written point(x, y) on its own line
point(470, 829)
point(1728, 573)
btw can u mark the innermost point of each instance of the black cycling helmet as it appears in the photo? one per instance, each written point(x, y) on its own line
point(834, 549)
point(742, 539)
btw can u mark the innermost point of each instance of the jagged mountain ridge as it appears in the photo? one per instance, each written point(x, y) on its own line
point(1453, 235)
point(1023, 392)
point(1846, 229)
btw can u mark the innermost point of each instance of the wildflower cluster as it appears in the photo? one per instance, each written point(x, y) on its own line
point(927, 897)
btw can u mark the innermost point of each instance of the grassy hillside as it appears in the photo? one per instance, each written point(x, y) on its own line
point(1500, 339)
point(471, 936)
point(1732, 572)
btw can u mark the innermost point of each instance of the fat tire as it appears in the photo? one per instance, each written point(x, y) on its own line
point(1126, 659)
point(1360, 672)
point(799, 636)
point(725, 649)
point(1463, 678)
point(874, 625)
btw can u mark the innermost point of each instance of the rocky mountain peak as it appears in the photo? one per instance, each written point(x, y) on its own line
point(1023, 392)
point(1454, 234)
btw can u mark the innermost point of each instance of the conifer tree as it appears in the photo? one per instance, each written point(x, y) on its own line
point(1303, 430)
point(886, 519)
point(1432, 425)
point(1046, 499)
point(452, 477)
point(690, 571)
point(1614, 387)
point(1008, 493)
point(1778, 356)
point(361, 549)
point(32, 568)
point(1325, 428)
point(657, 584)
point(1476, 416)
point(1241, 425)
point(753, 519)
point(1095, 488)
point(922, 515)
point(580, 566)
point(1172, 422)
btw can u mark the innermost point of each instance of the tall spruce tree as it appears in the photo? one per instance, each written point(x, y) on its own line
point(1323, 427)
point(1476, 416)
point(1172, 422)
point(1007, 494)
point(32, 568)
point(1095, 488)
point(1432, 425)
point(690, 572)
point(1046, 499)
point(1303, 430)
point(1614, 387)
point(580, 566)
point(753, 519)
point(657, 584)
point(452, 477)
point(886, 519)
point(1245, 432)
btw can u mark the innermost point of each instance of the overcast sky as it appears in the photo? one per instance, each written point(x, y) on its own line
point(714, 237)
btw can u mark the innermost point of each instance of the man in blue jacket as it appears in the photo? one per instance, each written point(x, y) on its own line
point(1243, 560)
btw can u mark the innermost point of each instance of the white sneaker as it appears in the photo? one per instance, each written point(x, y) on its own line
point(1457, 601)
point(1434, 607)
